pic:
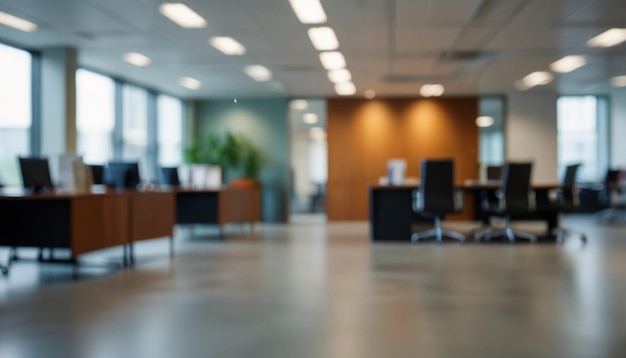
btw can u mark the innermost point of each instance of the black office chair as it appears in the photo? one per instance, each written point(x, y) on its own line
point(169, 176)
point(566, 199)
point(515, 197)
point(437, 197)
point(608, 195)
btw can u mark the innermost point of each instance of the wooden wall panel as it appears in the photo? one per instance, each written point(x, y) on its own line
point(364, 134)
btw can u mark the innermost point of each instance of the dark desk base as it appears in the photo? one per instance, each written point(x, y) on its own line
point(392, 216)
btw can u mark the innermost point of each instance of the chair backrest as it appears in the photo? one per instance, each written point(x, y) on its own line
point(169, 176)
point(612, 176)
point(516, 190)
point(569, 180)
point(569, 193)
point(437, 186)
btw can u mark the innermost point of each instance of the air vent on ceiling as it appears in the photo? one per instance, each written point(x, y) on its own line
point(410, 78)
point(461, 55)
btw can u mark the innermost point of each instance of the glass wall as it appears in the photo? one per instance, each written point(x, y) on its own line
point(491, 131)
point(170, 131)
point(135, 128)
point(582, 135)
point(95, 116)
point(15, 111)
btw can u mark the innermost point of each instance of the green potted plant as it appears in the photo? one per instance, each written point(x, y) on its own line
point(250, 161)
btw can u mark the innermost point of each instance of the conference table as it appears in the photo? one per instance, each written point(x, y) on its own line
point(392, 218)
point(84, 222)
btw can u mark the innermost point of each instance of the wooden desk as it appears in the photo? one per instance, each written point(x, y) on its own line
point(218, 206)
point(81, 222)
point(151, 215)
point(85, 222)
point(391, 209)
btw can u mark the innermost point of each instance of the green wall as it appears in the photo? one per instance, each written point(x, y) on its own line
point(264, 122)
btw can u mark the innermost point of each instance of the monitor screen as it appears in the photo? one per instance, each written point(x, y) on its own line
point(169, 176)
point(36, 174)
point(97, 172)
point(122, 175)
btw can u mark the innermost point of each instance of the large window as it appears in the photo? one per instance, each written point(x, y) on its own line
point(170, 130)
point(582, 133)
point(95, 116)
point(15, 111)
point(135, 127)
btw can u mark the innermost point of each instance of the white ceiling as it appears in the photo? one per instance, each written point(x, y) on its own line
point(391, 46)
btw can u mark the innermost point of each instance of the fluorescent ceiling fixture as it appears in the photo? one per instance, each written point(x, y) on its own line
point(618, 81)
point(182, 15)
point(323, 38)
point(534, 79)
point(299, 104)
point(370, 94)
point(568, 64)
point(485, 121)
point(317, 134)
point(339, 76)
point(345, 89)
point(333, 60)
point(310, 118)
point(258, 72)
point(17, 23)
point(137, 59)
point(190, 83)
point(227, 45)
point(608, 38)
point(308, 11)
point(431, 90)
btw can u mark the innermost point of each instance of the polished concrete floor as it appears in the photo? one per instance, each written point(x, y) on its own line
point(324, 291)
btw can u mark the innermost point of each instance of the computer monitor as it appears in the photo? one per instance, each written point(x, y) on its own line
point(169, 176)
point(122, 175)
point(97, 172)
point(36, 174)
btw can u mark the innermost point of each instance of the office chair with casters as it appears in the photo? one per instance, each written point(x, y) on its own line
point(566, 199)
point(436, 197)
point(515, 197)
point(608, 195)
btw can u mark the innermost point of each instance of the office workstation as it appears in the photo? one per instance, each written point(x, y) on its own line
point(410, 167)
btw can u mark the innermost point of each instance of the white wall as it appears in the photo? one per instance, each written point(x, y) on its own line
point(531, 131)
point(618, 128)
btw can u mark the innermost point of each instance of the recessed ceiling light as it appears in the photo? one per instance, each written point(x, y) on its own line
point(431, 90)
point(258, 73)
point(333, 60)
point(227, 45)
point(345, 88)
point(299, 104)
point(17, 22)
point(317, 133)
point(485, 121)
point(183, 15)
point(608, 38)
point(339, 76)
point(370, 94)
point(190, 83)
point(308, 11)
point(323, 38)
point(310, 118)
point(538, 78)
point(618, 81)
point(568, 64)
point(137, 59)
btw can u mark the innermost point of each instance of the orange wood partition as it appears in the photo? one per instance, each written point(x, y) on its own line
point(364, 134)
